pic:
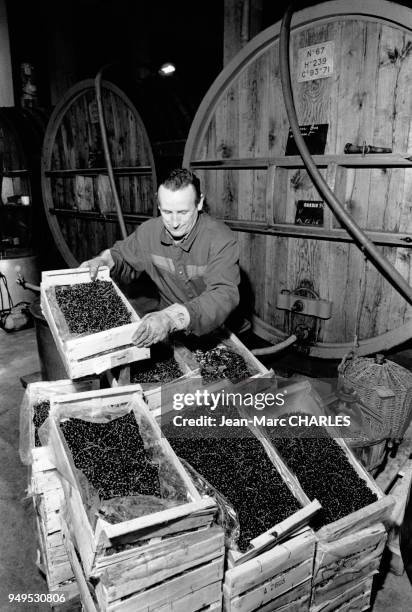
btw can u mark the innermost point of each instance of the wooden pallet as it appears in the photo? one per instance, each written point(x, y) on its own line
point(91, 353)
point(93, 542)
point(343, 563)
point(276, 579)
point(43, 391)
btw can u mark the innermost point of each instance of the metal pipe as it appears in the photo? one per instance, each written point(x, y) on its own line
point(98, 87)
point(367, 247)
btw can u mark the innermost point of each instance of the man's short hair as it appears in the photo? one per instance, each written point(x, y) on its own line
point(180, 178)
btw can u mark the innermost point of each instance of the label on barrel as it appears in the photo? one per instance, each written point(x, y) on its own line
point(314, 135)
point(316, 61)
point(309, 212)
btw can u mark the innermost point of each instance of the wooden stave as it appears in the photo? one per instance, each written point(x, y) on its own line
point(59, 112)
point(381, 12)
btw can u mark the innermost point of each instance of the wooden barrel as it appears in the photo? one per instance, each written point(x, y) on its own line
point(76, 192)
point(21, 137)
point(254, 179)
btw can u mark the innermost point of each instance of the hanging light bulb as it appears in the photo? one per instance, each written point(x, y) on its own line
point(167, 69)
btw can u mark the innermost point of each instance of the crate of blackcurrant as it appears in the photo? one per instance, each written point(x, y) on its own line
point(35, 409)
point(169, 363)
point(47, 493)
point(262, 508)
point(345, 564)
point(91, 322)
point(223, 360)
point(124, 486)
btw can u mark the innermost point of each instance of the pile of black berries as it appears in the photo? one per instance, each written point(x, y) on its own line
point(92, 307)
point(324, 473)
point(112, 456)
point(149, 371)
point(40, 414)
point(221, 362)
point(239, 468)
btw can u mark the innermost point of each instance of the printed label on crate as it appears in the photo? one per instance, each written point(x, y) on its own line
point(309, 212)
point(315, 62)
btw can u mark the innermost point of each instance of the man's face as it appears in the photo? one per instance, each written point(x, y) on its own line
point(178, 209)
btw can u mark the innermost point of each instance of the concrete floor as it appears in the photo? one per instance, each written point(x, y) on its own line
point(18, 571)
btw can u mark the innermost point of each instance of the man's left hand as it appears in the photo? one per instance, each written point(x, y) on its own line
point(154, 328)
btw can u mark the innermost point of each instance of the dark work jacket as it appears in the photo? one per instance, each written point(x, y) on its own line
point(201, 272)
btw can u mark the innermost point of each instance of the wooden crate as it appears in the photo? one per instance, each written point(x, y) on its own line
point(341, 564)
point(400, 492)
point(42, 391)
point(229, 340)
point(278, 532)
point(90, 353)
point(93, 543)
point(355, 598)
point(277, 579)
point(301, 399)
point(48, 498)
point(182, 573)
point(181, 354)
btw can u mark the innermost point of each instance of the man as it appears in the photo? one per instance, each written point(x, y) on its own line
point(192, 258)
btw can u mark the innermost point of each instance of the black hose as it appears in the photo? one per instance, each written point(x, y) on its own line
point(367, 247)
point(98, 87)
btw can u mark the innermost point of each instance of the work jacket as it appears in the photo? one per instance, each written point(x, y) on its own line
point(201, 271)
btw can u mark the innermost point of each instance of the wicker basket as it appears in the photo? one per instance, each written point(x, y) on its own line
point(384, 392)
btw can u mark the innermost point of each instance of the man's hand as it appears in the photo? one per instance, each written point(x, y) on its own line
point(104, 259)
point(156, 326)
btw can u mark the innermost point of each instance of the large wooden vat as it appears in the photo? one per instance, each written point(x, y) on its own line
point(21, 137)
point(76, 192)
point(237, 146)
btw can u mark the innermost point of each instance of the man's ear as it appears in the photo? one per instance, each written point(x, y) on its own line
point(200, 203)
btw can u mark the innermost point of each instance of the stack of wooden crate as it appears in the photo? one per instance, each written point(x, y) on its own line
point(45, 488)
point(47, 493)
point(349, 550)
point(276, 572)
point(173, 555)
point(279, 579)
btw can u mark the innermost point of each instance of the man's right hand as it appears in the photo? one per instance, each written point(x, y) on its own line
point(93, 265)
point(104, 259)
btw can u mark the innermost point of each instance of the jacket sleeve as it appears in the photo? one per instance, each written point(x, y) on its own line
point(222, 276)
point(128, 257)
